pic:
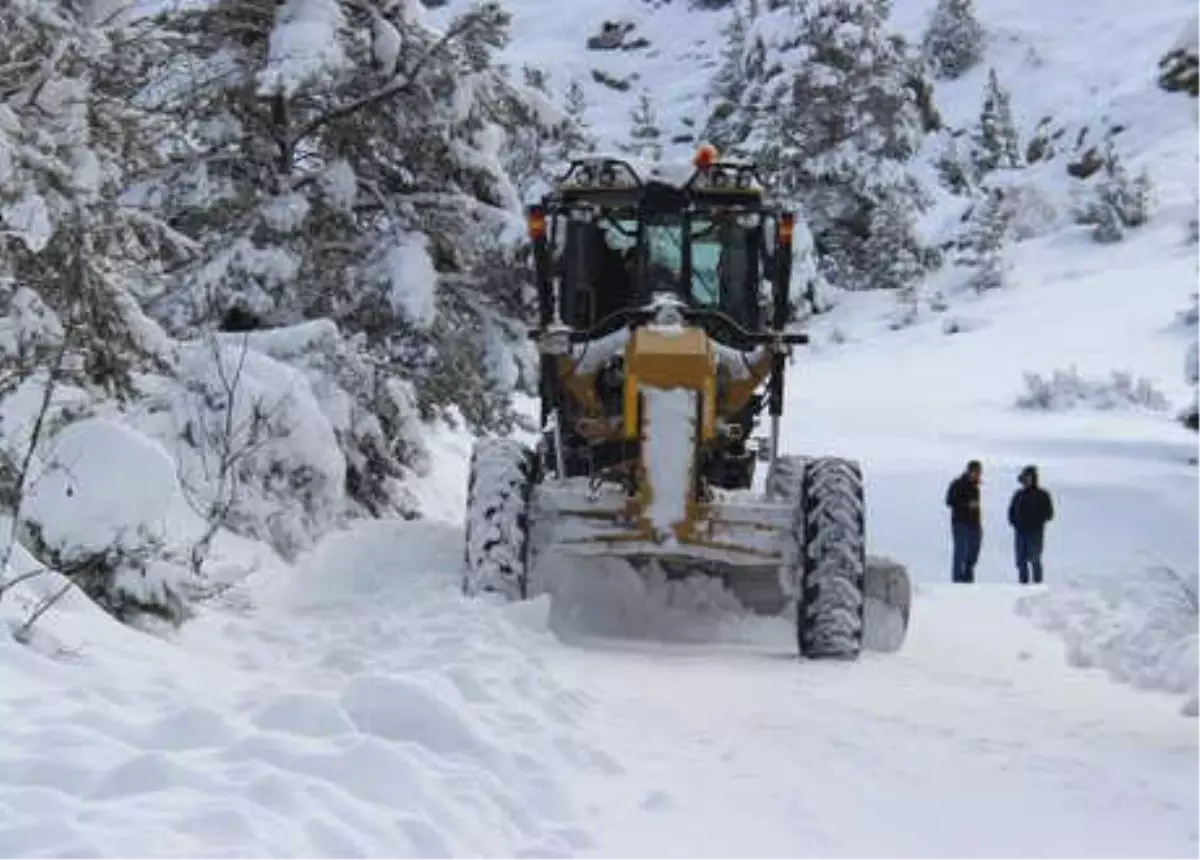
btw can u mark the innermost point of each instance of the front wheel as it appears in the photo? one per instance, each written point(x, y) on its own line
point(830, 609)
point(502, 475)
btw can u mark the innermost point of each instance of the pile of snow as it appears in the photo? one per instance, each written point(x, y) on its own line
point(1141, 629)
point(360, 709)
point(609, 598)
point(1067, 389)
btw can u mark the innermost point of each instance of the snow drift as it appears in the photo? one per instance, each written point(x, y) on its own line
point(1140, 629)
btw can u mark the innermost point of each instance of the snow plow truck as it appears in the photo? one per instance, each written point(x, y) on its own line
point(663, 340)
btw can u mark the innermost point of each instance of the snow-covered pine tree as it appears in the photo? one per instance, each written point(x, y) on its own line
point(69, 139)
point(346, 161)
point(953, 43)
point(645, 137)
point(896, 257)
point(996, 144)
point(728, 84)
point(76, 255)
point(575, 139)
point(834, 120)
point(986, 238)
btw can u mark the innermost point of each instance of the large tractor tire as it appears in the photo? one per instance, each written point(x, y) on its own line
point(502, 475)
point(830, 611)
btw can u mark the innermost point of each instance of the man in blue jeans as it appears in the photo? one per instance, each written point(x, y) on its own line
point(1028, 512)
point(966, 523)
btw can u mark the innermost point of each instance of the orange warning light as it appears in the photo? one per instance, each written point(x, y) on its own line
point(706, 156)
point(536, 220)
point(787, 226)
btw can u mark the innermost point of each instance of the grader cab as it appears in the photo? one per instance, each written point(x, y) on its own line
point(663, 338)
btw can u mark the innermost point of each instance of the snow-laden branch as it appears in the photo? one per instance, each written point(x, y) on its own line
point(401, 85)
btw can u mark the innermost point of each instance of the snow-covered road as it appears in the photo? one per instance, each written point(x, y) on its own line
point(976, 740)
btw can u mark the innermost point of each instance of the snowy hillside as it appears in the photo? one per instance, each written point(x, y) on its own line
point(285, 499)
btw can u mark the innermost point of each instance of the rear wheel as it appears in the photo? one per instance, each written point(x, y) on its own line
point(502, 475)
point(829, 613)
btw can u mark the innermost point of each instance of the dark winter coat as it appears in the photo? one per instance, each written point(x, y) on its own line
point(962, 497)
point(1030, 510)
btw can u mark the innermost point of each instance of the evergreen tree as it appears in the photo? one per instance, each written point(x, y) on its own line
point(575, 140)
point(995, 139)
point(896, 256)
point(71, 137)
point(645, 135)
point(834, 120)
point(77, 255)
point(986, 239)
point(728, 84)
point(357, 176)
point(953, 44)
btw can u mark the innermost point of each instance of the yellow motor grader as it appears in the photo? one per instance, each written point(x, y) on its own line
point(663, 338)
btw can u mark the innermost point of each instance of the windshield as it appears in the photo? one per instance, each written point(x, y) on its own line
point(602, 274)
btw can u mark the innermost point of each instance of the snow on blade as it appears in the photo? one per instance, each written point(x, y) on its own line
point(670, 428)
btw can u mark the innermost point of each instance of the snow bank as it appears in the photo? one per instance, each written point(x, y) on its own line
point(361, 710)
point(1141, 629)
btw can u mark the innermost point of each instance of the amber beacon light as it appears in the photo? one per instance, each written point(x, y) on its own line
point(536, 221)
point(706, 156)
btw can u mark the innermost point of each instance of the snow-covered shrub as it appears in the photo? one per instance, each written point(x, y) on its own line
point(254, 451)
point(1179, 68)
point(1067, 389)
point(373, 414)
point(1141, 629)
point(100, 510)
point(1118, 202)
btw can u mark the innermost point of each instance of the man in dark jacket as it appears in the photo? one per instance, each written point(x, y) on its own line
point(1028, 513)
point(966, 523)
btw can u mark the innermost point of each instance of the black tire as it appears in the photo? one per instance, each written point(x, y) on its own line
point(829, 614)
point(502, 475)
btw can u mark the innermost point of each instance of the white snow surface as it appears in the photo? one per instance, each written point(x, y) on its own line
point(353, 704)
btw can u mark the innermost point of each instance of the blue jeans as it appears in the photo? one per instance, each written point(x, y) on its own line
point(968, 539)
point(1029, 555)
